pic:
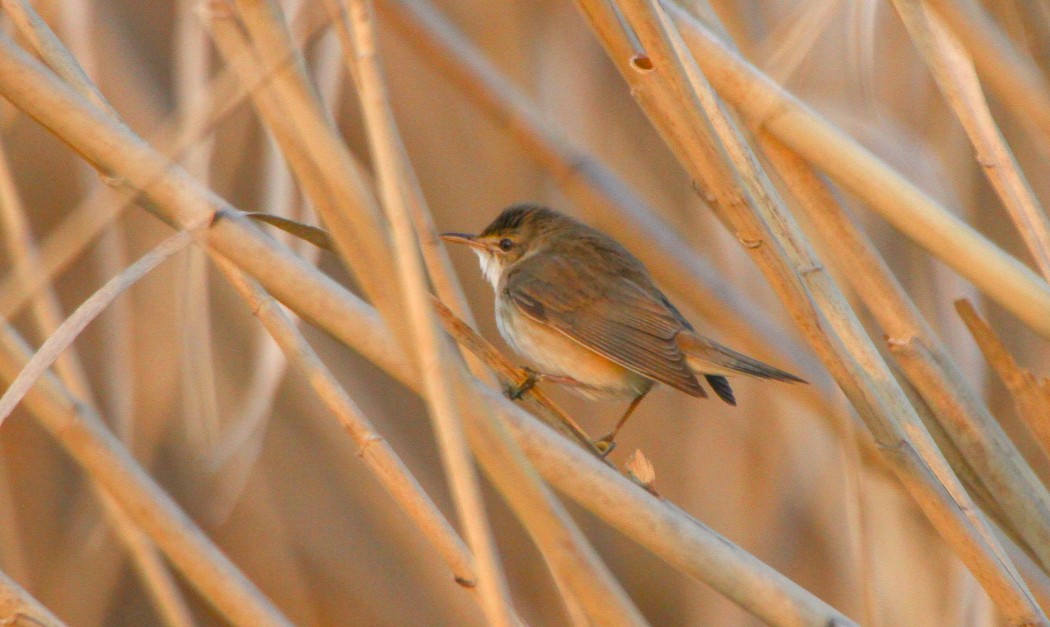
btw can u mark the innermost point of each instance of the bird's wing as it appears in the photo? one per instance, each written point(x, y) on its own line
point(607, 311)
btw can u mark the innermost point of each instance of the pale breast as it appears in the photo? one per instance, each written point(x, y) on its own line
point(552, 352)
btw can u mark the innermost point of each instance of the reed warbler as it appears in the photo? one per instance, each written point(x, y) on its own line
point(587, 313)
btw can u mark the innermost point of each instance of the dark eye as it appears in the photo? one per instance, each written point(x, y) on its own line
point(505, 244)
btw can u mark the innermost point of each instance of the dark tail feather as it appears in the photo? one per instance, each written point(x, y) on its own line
point(721, 387)
point(721, 359)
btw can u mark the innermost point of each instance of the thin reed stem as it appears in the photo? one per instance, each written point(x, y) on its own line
point(17, 606)
point(925, 361)
point(684, 107)
point(954, 72)
point(763, 104)
point(381, 459)
point(574, 563)
point(178, 199)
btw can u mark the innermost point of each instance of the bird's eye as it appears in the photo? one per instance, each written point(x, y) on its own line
point(506, 244)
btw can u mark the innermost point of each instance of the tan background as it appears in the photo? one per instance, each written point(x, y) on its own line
point(293, 506)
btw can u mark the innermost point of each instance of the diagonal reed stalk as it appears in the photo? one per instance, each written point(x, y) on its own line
point(1014, 77)
point(599, 191)
point(1031, 395)
point(681, 541)
point(108, 464)
point(146, 559)
point(68, 331)
point(380, 457)
point(99, 209)
point(954, 72)
point(685, 109)
point(291, 93)
point(763, 104)
point(333, 180)
point(1005, 477)
point(576, 566)
point(17, 606)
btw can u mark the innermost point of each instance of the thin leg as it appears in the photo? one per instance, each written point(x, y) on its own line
point(515, 392)
point(606, 443)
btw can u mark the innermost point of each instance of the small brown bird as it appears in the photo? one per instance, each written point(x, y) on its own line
point(587, 313)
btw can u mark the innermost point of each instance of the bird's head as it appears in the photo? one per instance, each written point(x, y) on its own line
point(517, 232)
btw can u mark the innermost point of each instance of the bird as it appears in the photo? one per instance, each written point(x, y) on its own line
point(588, 314)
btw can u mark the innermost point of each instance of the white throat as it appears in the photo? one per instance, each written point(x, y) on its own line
point(490, 266)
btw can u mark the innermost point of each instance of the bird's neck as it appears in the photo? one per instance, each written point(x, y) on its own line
point(491, 267)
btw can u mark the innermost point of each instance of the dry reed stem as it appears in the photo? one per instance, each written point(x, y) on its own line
point(668, 532)
point(45, 308)
point(160, 585)
point(234, 457)
point(435, 256)
point(924, 359)
point(1031, 396)
point(676, 538)
point(18, 607)
point(809, 26)
point(47, 316)
point(511, 375)
point(199, 396)
point(610, 202)
point(790, 42)
point(12, 545)
point(288, 104)
point(378, 455)
point(684, 107)
point(77, 23)
point(465, 336)
point(1015, 78)
point(438, 264)
point(68, 331)
point(209, 571)
point(158, 581)
point(57, 250)
point(575, 565)
point(1038, 581)
point(54, 52)
point(763, 104)
point(953, 70)
point(80, 431)
point(92, 215)
point(437, 367)
point(109, 252)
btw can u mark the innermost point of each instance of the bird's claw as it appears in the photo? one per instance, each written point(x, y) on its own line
point(515, 392)
point(605, 445)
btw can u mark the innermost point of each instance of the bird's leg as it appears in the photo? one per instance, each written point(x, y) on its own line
point(606, 444)
point(515, 392)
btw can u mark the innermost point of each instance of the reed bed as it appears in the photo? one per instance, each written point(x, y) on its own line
point(245, 383)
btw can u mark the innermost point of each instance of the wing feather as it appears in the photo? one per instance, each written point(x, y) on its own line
point(620, 316)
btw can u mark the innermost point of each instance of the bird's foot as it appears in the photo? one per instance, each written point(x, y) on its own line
point(605, 445)
point(515, 392)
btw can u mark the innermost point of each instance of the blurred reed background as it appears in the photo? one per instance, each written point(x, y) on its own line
point(497, 103)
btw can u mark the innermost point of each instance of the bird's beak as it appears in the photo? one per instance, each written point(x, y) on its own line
point(463, 238)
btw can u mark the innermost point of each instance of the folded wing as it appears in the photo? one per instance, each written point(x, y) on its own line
point(610, 310)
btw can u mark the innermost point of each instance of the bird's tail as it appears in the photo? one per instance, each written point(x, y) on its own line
point(714, 361)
